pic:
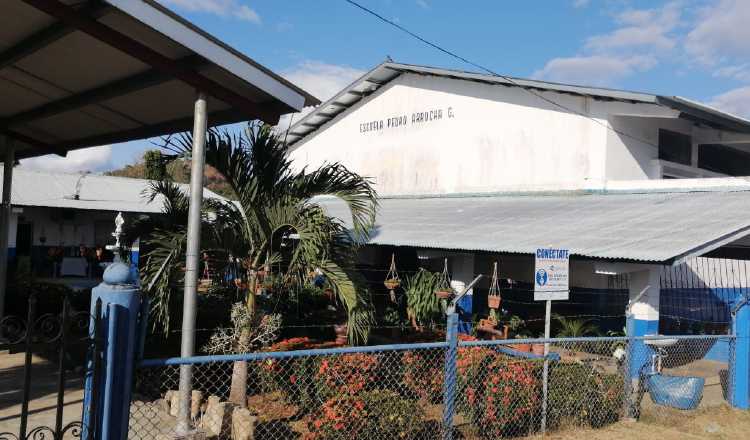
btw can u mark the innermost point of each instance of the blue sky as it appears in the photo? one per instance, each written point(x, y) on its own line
point(692, 48)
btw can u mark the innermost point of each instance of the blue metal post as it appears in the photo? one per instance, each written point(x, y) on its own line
point(120, 300)
point(739, 356)
point(449, 386)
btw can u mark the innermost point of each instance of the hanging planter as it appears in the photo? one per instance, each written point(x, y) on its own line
point(392, 281)
point(342, 332)
point(493, 296)
point(444, 290)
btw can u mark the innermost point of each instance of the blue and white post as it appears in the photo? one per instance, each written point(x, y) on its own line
point(739, 354)
point(463, 274)
point(120, 303)
point(642, 315)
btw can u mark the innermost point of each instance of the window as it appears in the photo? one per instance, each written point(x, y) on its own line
point(675, 147)
point(724, 159)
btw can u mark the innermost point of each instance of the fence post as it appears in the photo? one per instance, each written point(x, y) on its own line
point(120, 303)
point(739, 355)
point(449, 386)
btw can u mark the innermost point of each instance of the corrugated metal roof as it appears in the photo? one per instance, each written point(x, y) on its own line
point(106, 193)
point(655, 226)
point(76, 74)
point(387, 71)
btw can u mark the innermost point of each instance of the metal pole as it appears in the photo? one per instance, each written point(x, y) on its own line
point(545, 373)
point(191, 262)
point(449, 386)
point(5, 210)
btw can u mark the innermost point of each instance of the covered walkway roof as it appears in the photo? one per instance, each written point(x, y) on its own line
point(76, 74)
point(657, 225)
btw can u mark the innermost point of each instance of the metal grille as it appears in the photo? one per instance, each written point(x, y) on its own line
point(493, 389)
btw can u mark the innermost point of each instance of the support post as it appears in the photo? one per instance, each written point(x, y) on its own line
point(5, 211)
point(192, 254)
point(449, 385)
point(545, 372)
point(642, 319)
point(119, 301)
point(463, 274)
point(739, 355)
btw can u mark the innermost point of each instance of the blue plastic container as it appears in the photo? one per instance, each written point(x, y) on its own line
point(676, 391)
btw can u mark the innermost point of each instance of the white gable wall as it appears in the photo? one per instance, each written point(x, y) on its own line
point(486, 138)
point(498, 137)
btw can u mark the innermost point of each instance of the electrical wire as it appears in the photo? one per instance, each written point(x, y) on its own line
point(493, 73)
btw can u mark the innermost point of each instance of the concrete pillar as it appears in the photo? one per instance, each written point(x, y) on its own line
point(192, 263)
point(462, 266)
point(643, 318)
point(110, 397)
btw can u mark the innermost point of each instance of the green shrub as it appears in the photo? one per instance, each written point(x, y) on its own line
point(581, 396)
point(370, 414)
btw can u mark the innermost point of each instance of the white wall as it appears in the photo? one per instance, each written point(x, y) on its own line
point(497, 137)
point(61, 232)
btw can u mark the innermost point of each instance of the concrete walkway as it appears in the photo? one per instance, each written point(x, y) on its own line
point(43, 403)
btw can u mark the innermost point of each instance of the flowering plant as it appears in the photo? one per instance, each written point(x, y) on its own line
point(346, 375)
point(370, 414)
point(288, 375)
point(423, 371)
point(505, 399)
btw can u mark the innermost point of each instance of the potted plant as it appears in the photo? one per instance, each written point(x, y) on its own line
point(493, 302)
point(269, 282)
point(342, 333)
point(538, 349)
point(444, 290)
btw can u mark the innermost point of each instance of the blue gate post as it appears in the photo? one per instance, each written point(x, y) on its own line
point(120, 304)
point(449, 385)
point(739, 355)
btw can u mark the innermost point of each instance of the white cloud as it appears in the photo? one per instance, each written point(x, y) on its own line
point(595, 70)
point(222, 8)
point(321, 79)
point(88, 159)
point(640, 38)
point(736, 101)
point(423, 4)
point(581, 3)
point(640, 29)
point(721, 32)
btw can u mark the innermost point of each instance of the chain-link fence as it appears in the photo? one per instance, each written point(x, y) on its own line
point(492, 389)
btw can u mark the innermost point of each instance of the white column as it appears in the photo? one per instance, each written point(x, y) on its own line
point(192, 260)
point(645, 309)
point(5, 210)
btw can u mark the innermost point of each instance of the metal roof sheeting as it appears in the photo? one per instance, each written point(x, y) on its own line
point(75, 74)
point(659, 226)
point(105, 193)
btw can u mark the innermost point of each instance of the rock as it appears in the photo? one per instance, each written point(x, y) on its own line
point(194, 435)
point(196, 398)
point(243, 424)
point(713, 428)
point(217, 420)
point(174, 403)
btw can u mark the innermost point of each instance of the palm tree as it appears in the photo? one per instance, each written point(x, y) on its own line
point(274, 203)
point(575, 328)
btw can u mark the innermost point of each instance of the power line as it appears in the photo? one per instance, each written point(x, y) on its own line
point(493, 73)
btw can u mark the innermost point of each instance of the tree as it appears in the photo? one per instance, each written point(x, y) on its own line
point(156, 167)
point(274, 203)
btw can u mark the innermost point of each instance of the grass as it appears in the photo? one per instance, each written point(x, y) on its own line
point(720, 422)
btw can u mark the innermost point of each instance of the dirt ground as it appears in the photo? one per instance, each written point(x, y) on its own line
point(720, 422)
point(43, 404)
